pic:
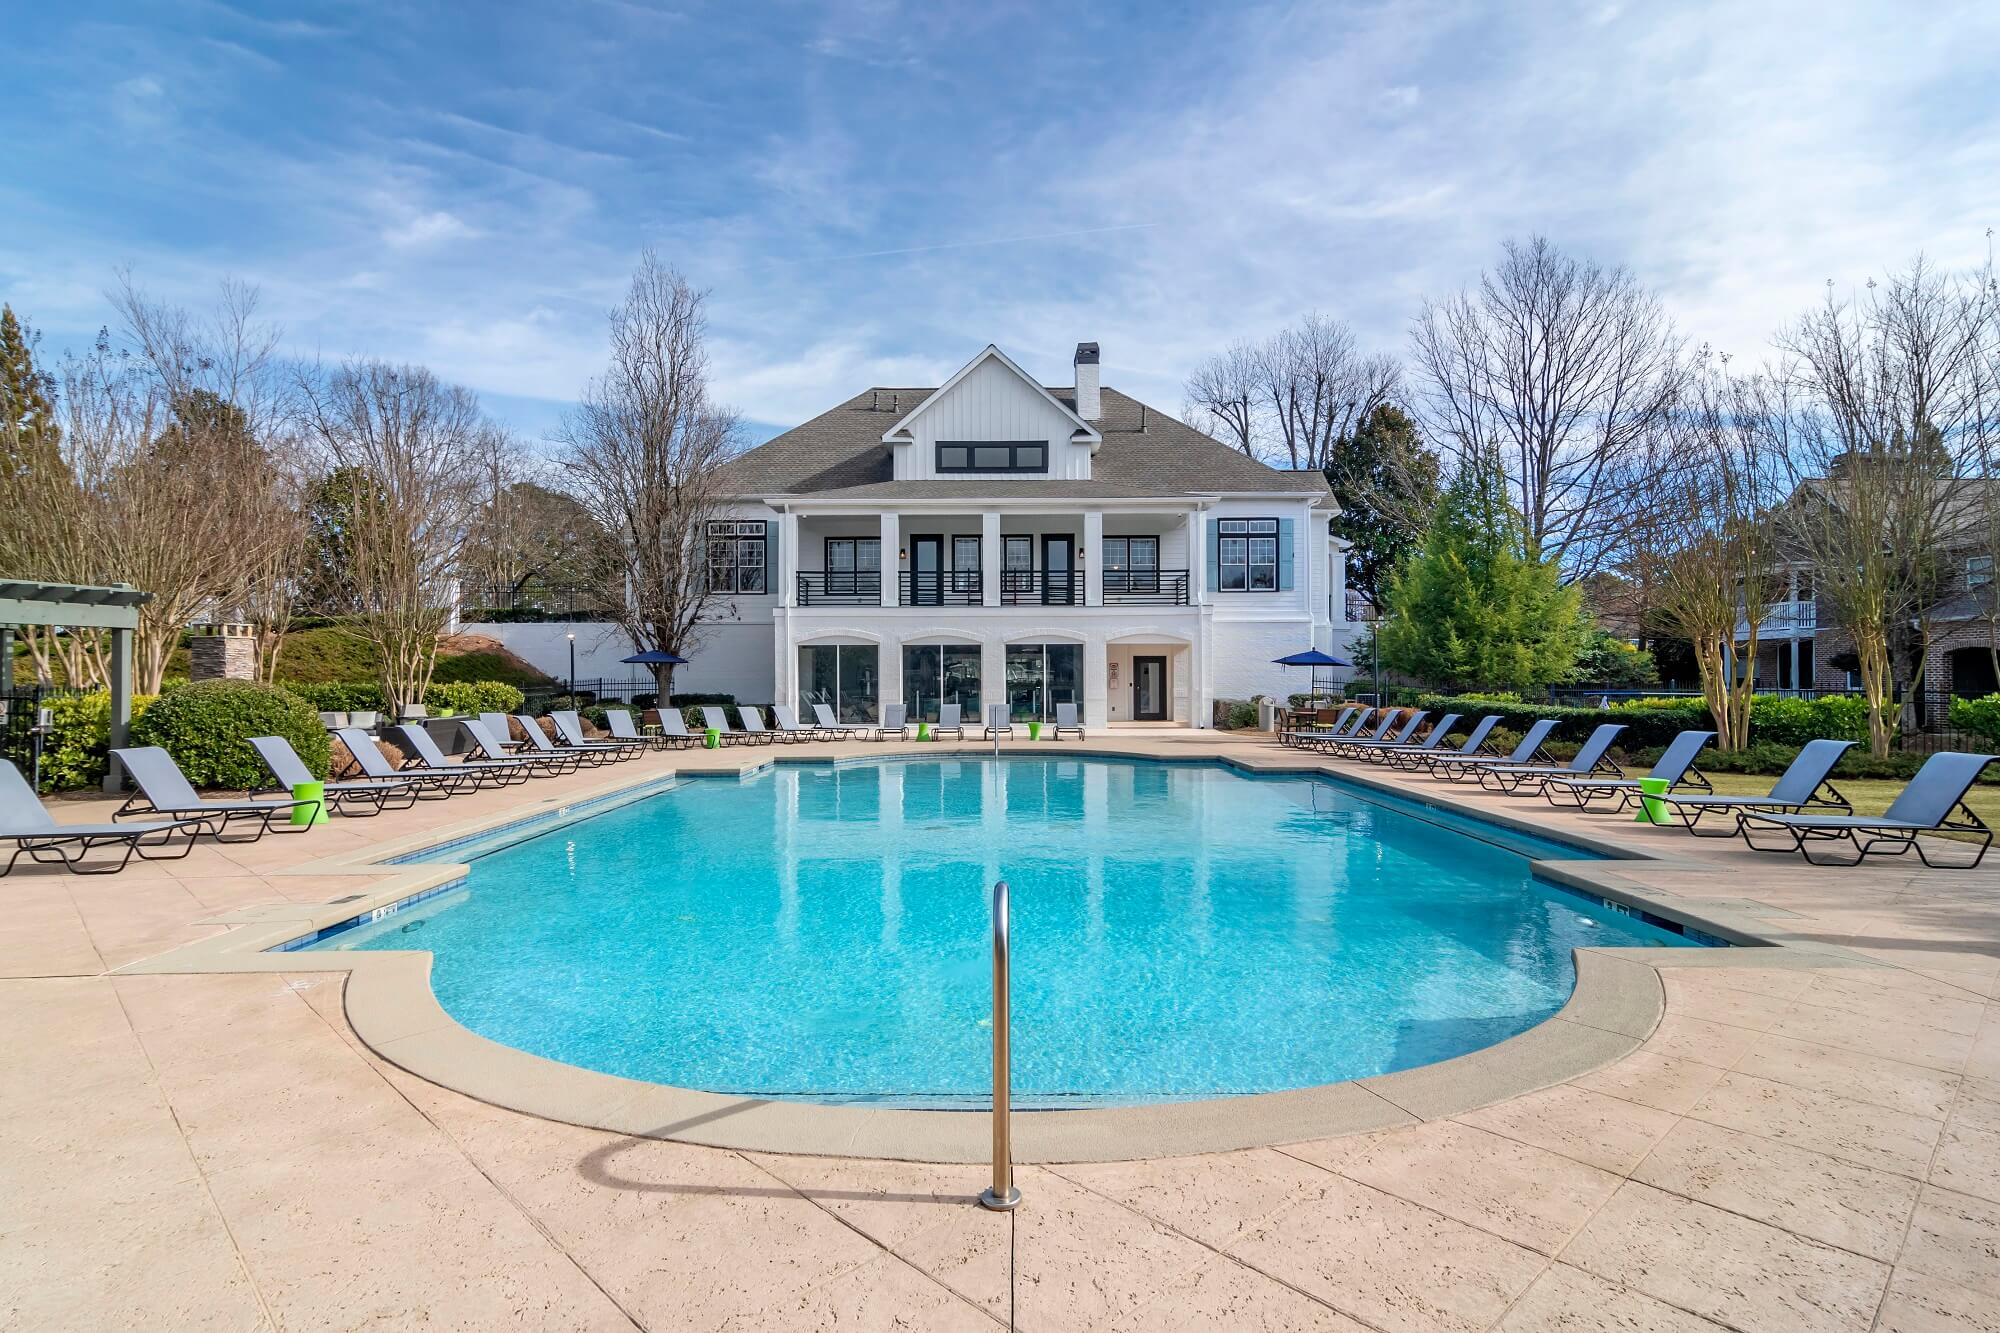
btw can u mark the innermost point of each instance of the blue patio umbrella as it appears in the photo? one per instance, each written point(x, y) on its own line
point(1318, 661)
point(654, 657)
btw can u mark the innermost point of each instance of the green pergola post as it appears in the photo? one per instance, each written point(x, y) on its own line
point(121, 703)
point(78, 606)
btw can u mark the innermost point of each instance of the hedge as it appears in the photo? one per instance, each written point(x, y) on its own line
point(1776, 719)
point(1981, 717)
point(474, 696)
point(207, 727)
point(79, 746)
point(341, 696)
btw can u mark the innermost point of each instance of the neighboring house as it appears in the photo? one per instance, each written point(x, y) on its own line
point(993, 540)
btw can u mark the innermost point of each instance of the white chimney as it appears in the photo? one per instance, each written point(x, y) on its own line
point(1087, 404)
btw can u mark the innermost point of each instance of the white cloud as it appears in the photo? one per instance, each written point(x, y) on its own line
point(421, 229)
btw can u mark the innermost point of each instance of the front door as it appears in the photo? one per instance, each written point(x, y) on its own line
point(1149, 689)
point(1057, 587)
point(927, 571)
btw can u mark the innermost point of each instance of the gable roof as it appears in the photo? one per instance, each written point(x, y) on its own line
point(992, 353)
point(1146, 453)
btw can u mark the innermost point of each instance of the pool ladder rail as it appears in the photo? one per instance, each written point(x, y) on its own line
point(1002, 1195)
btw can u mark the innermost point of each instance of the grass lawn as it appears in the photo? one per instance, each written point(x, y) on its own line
point(1871, 796)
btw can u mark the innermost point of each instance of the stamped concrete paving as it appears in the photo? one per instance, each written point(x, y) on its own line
point(1792, 1148)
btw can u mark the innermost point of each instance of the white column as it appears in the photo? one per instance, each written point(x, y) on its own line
point(889, 671)
point(785, 667)
point(1197, 558)
point(1093, 557)
point(989, 557)
point(891, 534)
point(1096, 682)
point(788, 558)
point(1199, 694)
point(992, 675)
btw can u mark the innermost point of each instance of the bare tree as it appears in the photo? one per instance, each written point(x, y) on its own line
point(1890, 416)
point(643, 449)
point(1317, 388)
point(1562, 367)
point(412, 447)
point(1222, 396)
point(1708, 545)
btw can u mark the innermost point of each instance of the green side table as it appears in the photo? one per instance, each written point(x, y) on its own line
point(303, 815)
point(712, 739)
point(923, 731)
point(1034, 731)
point(1652, 810)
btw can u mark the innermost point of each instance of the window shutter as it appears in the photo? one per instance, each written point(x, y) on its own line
point(1214, 572)
point(1284, 555)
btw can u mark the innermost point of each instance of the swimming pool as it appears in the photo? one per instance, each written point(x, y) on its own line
point(821, 932)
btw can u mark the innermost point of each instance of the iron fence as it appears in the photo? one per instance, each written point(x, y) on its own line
point(533, 601)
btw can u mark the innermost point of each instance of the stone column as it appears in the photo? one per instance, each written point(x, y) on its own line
point(223, 652)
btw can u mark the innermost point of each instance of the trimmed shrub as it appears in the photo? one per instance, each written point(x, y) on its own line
point(1235, 714)
point(79, 746)
point(1783, 721)
point(341, 696)
point(1981, 717)
point(207, 727)
point(694, 700)
point(473, 696)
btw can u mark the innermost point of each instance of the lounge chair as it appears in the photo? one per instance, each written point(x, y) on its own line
point(714, 720)
point(1420, 756)
point(539, 750)
point(1802, 787)
point(999, 721)
point(372, 795)
point(25, 822)
point(619, 722)
point(422, 753)
point(1926, 805)
point(753, 726)
point(1292, 735)
point(895, 722)
point(951, 718)
point(1592, 757)
point(1433, 739)
point(1067, 720)
point(788, 724)
point(674, 729)
point(827, 725)
point(1332, 744)
point(500, 727)
point(569, 730)
point(1675, 768)
point(165, 790)
point(1396, 739)
point(368, 757)
point(1456, 767)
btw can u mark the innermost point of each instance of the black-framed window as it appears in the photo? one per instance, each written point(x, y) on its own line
point(992, 455)
point(853, 555)
point(736, 556)
point(965, 555)
point(1247, 555)
point(1017, 554)
point(1132, 553)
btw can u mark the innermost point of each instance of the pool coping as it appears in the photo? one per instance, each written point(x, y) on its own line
point(1618, 1000)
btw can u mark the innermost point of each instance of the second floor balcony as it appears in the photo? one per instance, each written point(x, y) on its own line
point(1017, 587)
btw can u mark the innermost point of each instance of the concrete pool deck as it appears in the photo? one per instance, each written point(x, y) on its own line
point(1812, 1143)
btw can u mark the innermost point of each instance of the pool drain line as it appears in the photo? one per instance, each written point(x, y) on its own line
point(1001, 1195)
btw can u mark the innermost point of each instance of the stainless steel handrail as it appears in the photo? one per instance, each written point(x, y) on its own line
point(1002, 1195)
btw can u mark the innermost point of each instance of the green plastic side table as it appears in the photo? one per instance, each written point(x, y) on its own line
point(712, 739)
point(1034, 731)
point(923, 731)
point(302, 815)
point(1651, 809)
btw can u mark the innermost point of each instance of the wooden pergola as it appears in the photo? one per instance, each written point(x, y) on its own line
point(78, 606)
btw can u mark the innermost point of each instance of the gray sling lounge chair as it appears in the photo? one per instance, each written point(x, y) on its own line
point(25, 822)
point(951, 719)
point(1454, 767)
point(1330, 744)
point(1802, 787)
point(1067, 720)
point(500, 727)
point(1420, 756)
point(371, 795)
point(674, 729)
point(570, 735)
point(619, 722)
point(1433, 739)
point(1927, 805)
point(165, 790)
point(895, 722)
point(1293, 735)
point(830, 727)
point(1675, 767)
point(788, 724)
point(999, 721)
point(1592, 757)
point(717, 721)
point(368, 757)
point(1403, 739)
point(422, 753)
point(752, 723)
point(539, 749)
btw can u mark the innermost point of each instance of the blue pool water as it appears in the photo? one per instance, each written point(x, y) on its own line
point(1179, 931)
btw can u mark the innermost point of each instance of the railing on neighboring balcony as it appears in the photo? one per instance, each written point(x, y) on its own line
point(840, 587)
point(951, 587)
point(1037, 587)
point(1146, 587)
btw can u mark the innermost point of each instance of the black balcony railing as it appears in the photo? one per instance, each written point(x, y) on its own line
point(1146, 587)
point(840, 587)
point(1062, 587)
point(951, 587)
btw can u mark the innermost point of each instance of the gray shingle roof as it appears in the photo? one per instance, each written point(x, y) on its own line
point(1146, 453)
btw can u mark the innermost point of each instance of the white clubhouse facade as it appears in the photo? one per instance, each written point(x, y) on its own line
point(996, 541)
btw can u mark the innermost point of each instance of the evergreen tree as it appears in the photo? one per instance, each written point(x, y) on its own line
point(30, 437)
point(1387, 484)
point(1469, 610)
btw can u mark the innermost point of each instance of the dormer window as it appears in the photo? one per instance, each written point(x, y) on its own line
point(992, 456)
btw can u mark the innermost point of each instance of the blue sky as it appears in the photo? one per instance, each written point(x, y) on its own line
point(872, 191)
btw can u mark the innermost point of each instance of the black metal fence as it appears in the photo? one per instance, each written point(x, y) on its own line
point(533, 601)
